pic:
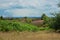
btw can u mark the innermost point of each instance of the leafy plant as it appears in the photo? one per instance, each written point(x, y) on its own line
point(16, 26)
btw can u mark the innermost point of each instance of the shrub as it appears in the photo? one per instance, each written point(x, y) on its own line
point(16, 26)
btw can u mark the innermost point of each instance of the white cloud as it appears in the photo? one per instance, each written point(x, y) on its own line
point(29, 2)
point(24, 12)
point(28, 7)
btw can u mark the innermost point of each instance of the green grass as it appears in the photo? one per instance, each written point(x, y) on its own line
point(6, 25)
point(44, 28)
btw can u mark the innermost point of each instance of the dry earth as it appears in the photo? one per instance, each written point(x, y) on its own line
point(29, 36)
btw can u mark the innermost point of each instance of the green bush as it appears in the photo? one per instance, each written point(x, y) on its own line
point(6, 25)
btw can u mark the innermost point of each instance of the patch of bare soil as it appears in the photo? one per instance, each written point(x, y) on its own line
point(37, 22)
point(29, 36)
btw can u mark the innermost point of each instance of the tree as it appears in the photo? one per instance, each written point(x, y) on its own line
point(45, 18)
point(42, 17)
point(57, 21)
point(1, 17)
point(55, 24)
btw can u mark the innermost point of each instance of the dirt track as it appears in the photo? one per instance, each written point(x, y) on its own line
point(29, 36)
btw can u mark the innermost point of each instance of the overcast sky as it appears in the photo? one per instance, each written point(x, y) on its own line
point(30, 8)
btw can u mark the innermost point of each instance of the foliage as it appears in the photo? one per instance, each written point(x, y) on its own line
point(28, 20)
point(55, 24)
point(1, 17)
point(6, 25)
point(46, 20)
